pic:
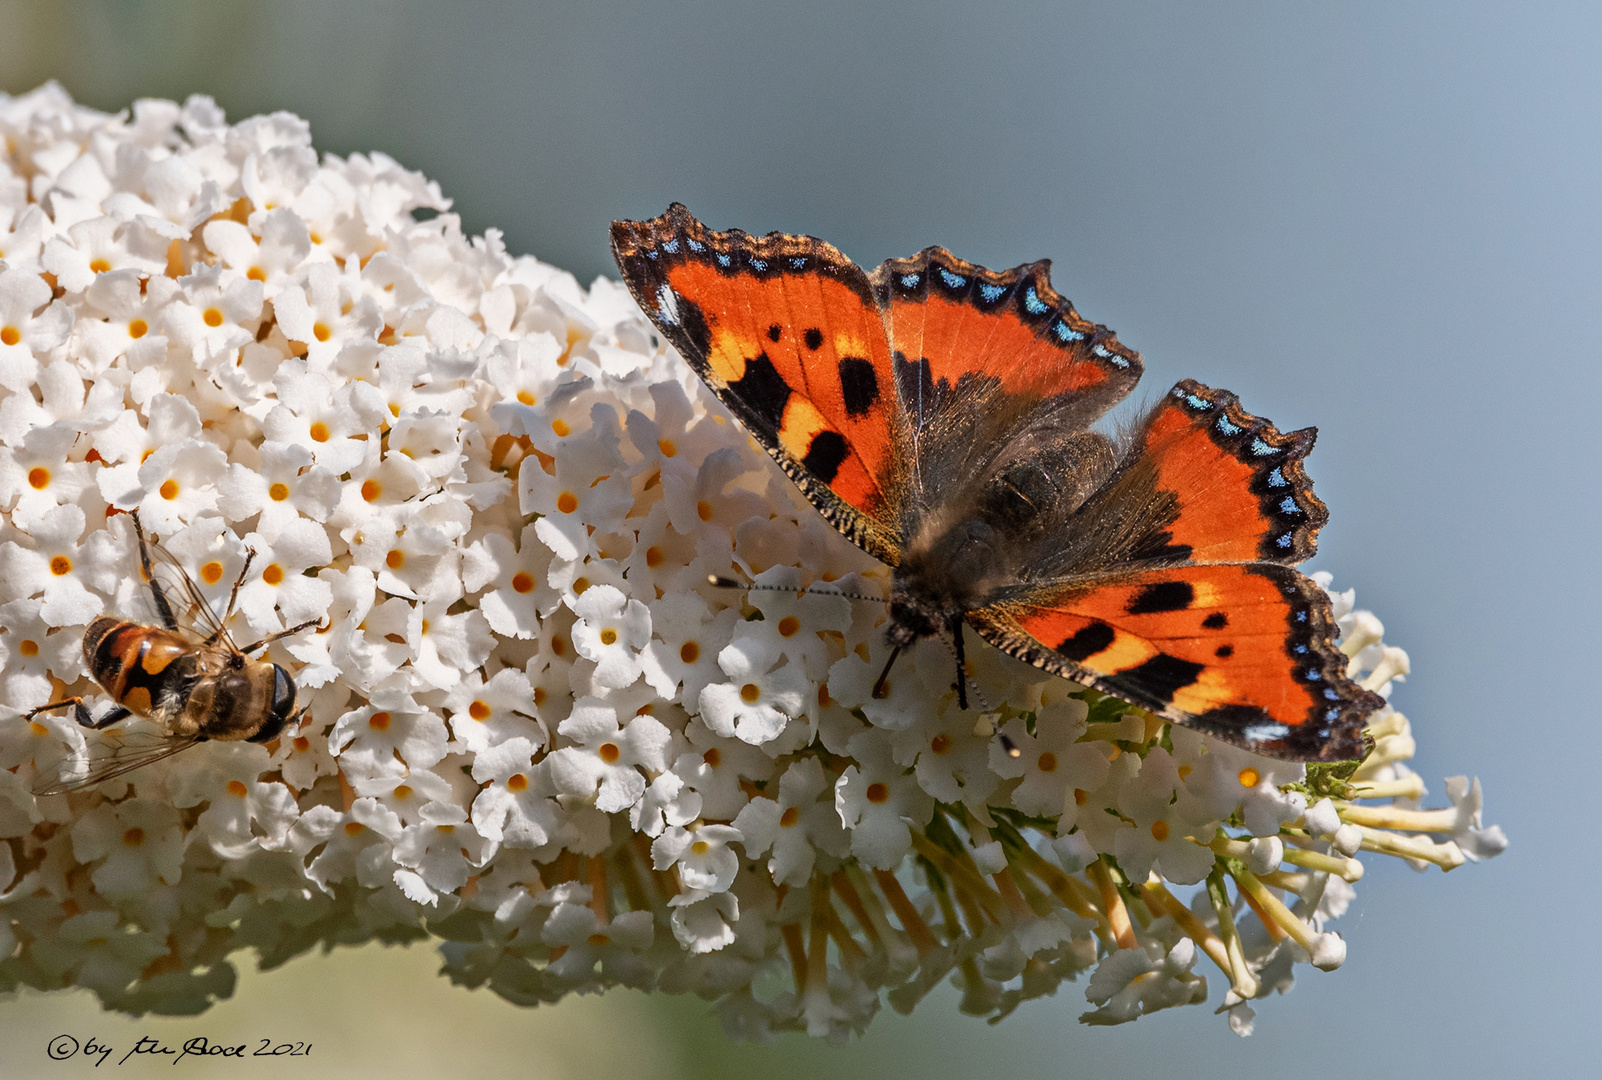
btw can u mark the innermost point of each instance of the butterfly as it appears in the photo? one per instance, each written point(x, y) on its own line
point(940, 415)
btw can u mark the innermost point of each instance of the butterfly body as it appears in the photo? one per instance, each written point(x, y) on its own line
point(939, 414)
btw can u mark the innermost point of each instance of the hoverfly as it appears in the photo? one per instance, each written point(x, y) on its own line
point(187, 675)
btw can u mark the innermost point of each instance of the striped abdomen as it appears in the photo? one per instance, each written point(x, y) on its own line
point(147, 670)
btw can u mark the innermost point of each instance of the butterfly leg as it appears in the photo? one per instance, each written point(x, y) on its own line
point(270, 638)
point(878, 686)
point(163, 608)
point(962, 665)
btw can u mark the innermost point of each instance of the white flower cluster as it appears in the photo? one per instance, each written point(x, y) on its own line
point(533, 728)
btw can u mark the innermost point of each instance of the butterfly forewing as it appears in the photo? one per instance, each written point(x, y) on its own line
point(787, 333)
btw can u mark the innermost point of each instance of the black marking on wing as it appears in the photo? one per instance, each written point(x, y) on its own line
point(1163, 596)
point(859, 385)
point(1087, 642)
point(764, 393)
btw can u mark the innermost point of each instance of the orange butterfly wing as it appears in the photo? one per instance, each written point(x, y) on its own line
point(787, 332)
point(1201, 620)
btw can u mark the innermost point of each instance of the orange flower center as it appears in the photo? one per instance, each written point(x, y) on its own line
point(609, 752)
point(134, 836)
point(790, 816)
point(1047, 762)
point(940, 743)
point(273, 575)
point(212, 317)
point(138, 328)
point(278, 492)
point(1159, 831)
point(667, 447)
point(560, 427)
point(318, 431)
point(395, 559)
point(522, 583)
point(750, 693)
point(690, 652)
point(237, 789)
point(28, 647)
point(517, 782)
point(38, 477)
point(321, 332)
point(60, 565)
point(479, 711)
point(169, 489)
point(789, 626)
point(371, 490)
point(10, 335)
point(212, 572)
point(567, 502)
point(379, 721)
point(653, 556)
point(525, 397)
point(1249, 777)
point(878, 793)
point(703, 510)
point(608, 636)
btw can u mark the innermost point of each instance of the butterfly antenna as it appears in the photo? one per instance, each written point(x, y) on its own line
point(729, 583)
point(986, 725)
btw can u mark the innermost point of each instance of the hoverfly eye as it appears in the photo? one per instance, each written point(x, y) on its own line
point(283, 693)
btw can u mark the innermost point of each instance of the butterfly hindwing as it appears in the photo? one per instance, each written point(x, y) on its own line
point(786, 331)
point(1244, 651)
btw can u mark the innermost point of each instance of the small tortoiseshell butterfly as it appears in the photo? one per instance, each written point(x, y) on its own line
point(939, 414)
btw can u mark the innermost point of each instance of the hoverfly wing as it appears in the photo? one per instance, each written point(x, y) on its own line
point(109, 758)
point(190, 608)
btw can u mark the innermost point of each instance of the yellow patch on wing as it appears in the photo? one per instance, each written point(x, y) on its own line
point(1211, 689)
point(728, 353)
point(1126, 651)
point(800, 425)
point(846, 344)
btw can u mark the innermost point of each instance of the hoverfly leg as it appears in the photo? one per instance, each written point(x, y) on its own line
point(162, 607)
point(111, 717)
point(79, 712)
point(270, 638)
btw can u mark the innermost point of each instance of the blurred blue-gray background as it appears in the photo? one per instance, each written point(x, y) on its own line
point(1381, 219)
